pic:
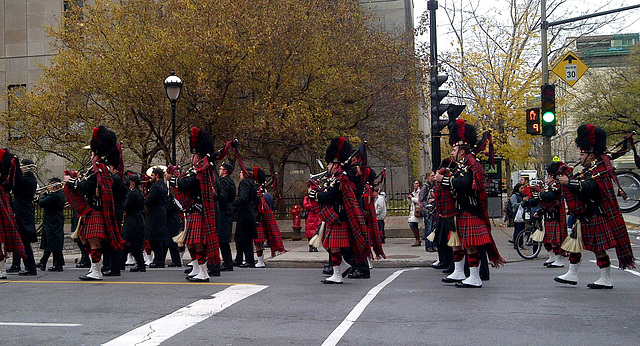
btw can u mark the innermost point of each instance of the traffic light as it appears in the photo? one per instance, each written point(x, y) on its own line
point(548, 110)
point(533, 121)
point(437, 109)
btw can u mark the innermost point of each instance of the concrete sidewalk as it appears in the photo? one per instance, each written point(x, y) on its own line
point(397, 249)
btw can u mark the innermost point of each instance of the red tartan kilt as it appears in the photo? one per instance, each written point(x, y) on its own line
point(195, 229)
point(473, 230)
point(336, 235)
point(92, 226)
point(261, 238)
point(554, 233)
point(597, 234)
point(77, 201)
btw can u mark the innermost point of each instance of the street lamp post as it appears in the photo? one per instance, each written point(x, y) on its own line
point(173, 86)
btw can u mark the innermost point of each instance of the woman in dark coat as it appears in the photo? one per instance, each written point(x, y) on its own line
point(156, 230)
point(133, 229)
point(52, 227)
point(246, 230)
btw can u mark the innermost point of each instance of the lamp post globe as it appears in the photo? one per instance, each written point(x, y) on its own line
point(173, 87)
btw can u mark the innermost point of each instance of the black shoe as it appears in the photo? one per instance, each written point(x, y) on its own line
point(448, 270)
point(226, 268)
point(188, 270)
point(247, 265)
point(213, 272)
point(484, 278)
point(194, 279)
point(55, 269)
point(236, 263)
point(140, 269)
point(463, 285)
point(510, 241)
point(440, 266)
point(598, 286)
point(172, 265)
point(40, 266)
point(13, 269)
point(328, 270)
point(28, 272)
point(451, 281)
point(156, 265)
point(83, 265)
point(111, 273)
point(359, 274)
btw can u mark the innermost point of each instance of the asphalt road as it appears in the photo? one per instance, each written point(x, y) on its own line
point(520, 305)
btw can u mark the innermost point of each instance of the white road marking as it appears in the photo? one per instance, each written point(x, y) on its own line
point(41, 324)
point(351, 318)
point(626, 270)
point(155, 332)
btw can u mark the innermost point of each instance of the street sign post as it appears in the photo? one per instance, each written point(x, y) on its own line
point(570, 68)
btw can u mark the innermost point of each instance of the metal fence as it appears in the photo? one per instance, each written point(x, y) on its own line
point(397, 205)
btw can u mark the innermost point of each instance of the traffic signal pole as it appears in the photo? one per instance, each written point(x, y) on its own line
point(432, 5)
point(546, 141)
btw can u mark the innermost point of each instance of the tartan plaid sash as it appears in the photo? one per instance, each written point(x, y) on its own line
point(356, 221)
point(375, 235)
point(10, 235)
point(328, 215)
point(613, 215)
point(479, 184)
point(207, 180)
point(271, 230)
point(105, 182)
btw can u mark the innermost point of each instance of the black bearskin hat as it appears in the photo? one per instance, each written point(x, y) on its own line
point(201, 142)
point(591, 139)
point(104, 144)
point(5, 160)
point(462, 134)
point(339, 150)
point(259, 176)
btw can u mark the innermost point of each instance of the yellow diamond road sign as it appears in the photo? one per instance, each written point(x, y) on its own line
point(570, 68)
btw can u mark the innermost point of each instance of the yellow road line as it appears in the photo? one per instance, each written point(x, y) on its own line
point(127, 282)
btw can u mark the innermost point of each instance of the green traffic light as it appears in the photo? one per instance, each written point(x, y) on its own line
point(548, 117)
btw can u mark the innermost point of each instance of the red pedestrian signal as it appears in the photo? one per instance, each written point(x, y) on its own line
point(533, 121)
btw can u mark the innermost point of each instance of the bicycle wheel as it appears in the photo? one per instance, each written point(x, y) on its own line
point(496, 217)
point(630, 183)
point(528, 249)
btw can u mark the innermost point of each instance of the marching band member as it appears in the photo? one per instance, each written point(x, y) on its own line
point(246, 229)
point(24, 191)
point(473, 225)
point(200, 183)
point(9, 237)
point(341, 211)
point(97, 207)
point(52, 202)
point(267, 227)
point(445, 211)
point(555, 216)
point(591, 198)
point(226, 196)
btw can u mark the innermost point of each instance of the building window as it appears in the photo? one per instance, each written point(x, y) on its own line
point(15, 91)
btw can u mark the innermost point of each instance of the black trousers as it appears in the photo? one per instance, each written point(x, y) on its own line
point(58, 258)
point(245, 249)
point(174, 252)
point(135, 250)
point(159, 252)
point(225, 251)
point(29, 262)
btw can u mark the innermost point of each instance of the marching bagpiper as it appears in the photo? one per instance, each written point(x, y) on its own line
point(473, 226)
point(9, 238)
point(592, 199)
point(91, 196)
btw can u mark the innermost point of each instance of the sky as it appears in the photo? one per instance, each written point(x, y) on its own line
point(627, 21)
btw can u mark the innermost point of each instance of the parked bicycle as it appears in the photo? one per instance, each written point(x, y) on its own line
point(526, 247)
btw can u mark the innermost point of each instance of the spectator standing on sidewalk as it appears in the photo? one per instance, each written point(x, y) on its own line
point(426, 204)
point(415, 212)
point(312, 222)
point(517, 199)
point(381, 210)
